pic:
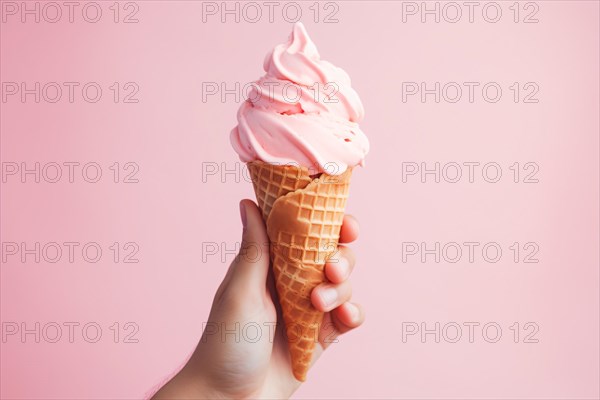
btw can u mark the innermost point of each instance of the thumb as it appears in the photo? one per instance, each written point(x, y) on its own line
point(251, 266)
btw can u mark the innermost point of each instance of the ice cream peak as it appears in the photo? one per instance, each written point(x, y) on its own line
point(303, 112)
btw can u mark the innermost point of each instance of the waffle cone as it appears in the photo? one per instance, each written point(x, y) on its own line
point(303, 218)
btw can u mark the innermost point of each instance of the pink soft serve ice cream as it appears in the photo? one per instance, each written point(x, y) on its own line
point(302, 112)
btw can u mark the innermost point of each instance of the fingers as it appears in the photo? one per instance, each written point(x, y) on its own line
point(349, 230)
point(340, 266)
point(333, 297)
point(328, 296)
point(251, 266)
point(347, 317)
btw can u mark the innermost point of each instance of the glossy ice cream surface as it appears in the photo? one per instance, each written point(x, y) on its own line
point(302, 112)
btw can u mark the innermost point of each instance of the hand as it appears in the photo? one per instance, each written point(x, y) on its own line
point(241, 354)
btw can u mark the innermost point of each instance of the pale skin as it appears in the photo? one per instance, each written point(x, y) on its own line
point(261, 368)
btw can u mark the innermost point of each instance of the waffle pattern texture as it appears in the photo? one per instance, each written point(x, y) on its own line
point(303, 218)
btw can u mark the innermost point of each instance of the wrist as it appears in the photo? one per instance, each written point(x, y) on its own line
point(188, 384)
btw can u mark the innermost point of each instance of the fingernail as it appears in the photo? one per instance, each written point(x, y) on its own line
point(354, 313)
point(344, 267)
point(328, 295)
point(243, 214)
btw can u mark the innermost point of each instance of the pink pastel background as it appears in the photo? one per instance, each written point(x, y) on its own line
point(171, 212)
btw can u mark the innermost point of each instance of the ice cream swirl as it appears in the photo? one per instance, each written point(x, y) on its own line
point(303, 111)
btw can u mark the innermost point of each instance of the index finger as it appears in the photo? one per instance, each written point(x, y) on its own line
point(349, 230)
